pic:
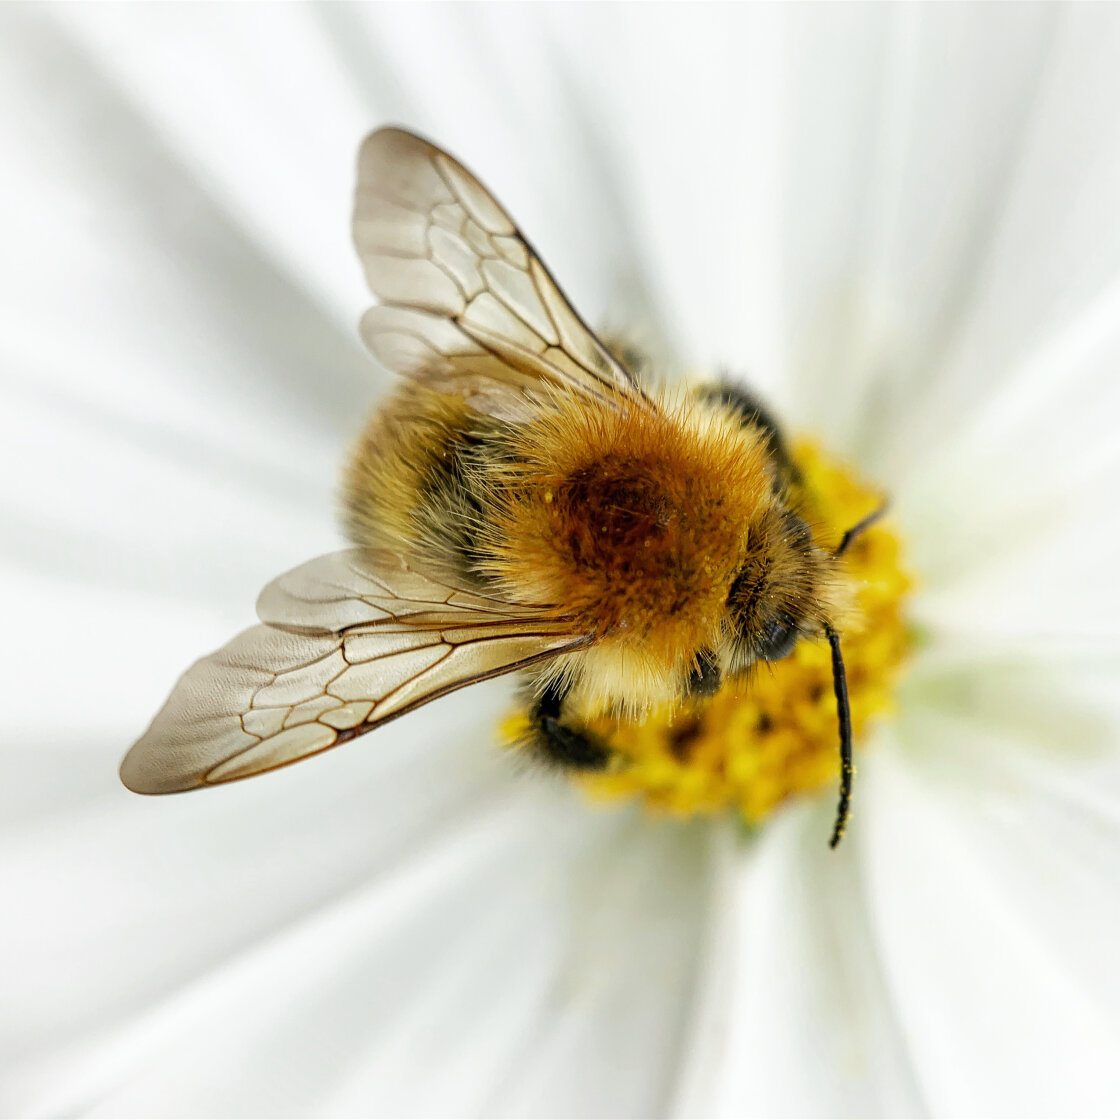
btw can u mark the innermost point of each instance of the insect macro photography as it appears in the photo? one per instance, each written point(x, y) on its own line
point(559, 560)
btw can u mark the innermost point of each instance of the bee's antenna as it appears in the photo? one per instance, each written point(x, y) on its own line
point(840, 687)
point(859, 527)
point(844, 715)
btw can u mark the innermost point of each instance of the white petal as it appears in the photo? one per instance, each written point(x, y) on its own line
point(1033, 464)
point(125, 901)
point(245, 98)
point(991, 916)
point(808, 1028)
point(127, 282)
point(820, 193)
point(1049, 247)
point(690, 104)
point(1049, 591)
point(496, 955)
point(1068, 706)
point(607, 1037)
point(903, 162)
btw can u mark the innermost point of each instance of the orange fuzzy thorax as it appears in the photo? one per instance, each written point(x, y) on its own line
point(770, 737)
point(635, 521)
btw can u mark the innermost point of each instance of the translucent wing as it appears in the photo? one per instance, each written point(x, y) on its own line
point(349, 641)
point(466, 306)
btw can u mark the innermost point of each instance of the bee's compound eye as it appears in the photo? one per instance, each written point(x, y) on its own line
point(778, 638)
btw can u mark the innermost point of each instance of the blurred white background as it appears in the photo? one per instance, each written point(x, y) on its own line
point(899, 222)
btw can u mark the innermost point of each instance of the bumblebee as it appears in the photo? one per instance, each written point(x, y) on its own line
point(521, 503)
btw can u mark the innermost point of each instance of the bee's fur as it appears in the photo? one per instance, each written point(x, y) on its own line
point(751, 410)
point(625, 547)
point(668, 535)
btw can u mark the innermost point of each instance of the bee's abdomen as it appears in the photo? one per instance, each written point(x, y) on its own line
point(411, 487)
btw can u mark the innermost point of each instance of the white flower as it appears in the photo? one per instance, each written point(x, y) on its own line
point(900, 224)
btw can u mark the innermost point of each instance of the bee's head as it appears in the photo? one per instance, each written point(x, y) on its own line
point(784, 591)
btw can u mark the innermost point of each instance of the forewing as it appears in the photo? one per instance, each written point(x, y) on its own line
point(372, 587)
point(466, 308)
point(360, 639)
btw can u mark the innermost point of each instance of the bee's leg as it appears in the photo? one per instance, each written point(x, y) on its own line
point(563, 746)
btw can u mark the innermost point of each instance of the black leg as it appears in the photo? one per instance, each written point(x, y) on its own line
point(705, 678)
point(562, 746)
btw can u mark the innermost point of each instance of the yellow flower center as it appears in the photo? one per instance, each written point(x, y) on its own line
point(772, 734)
